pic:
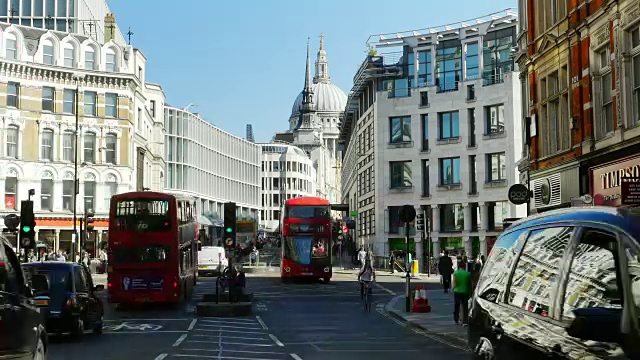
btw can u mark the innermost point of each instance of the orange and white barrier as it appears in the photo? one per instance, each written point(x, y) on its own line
point(420, 301)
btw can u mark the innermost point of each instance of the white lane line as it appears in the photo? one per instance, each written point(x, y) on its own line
point(384, 289)
point(264, 326)
point(180, 340)
point(295, 356)
point(217, 331)
point(234, 337)
point(275, 339)
point(238, 351)
point(251, 321)
point(192, 325)
point(161, 356)
point(227, 343)
point(232, 327)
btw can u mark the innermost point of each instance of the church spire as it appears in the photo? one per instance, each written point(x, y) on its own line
point(307, 93)
point(322, 65)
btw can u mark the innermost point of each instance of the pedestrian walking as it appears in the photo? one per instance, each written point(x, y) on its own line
point(461, 291)
point(362, 257)
point(445, 268)
point(392, 260)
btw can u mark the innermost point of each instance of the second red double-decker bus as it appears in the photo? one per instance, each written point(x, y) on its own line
point(306, 239)
point(152, 248)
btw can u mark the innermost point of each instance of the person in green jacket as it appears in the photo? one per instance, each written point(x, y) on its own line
point(461, 292)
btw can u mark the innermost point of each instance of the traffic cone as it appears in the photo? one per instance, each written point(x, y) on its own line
point(421, 303)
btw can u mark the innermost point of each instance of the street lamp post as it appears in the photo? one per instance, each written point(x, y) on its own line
point(76, 183)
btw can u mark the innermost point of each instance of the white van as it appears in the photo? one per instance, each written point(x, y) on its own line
point(211, 260)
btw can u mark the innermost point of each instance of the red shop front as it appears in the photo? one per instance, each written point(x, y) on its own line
point(605, 180)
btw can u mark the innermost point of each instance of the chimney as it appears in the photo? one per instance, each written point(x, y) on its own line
point(109, 27)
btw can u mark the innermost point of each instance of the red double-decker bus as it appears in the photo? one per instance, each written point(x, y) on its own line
point(306, 239)
point(153, 250)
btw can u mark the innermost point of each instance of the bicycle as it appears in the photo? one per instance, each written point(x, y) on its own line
point(367, 296)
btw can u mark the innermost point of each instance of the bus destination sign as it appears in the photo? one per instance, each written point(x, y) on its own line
point(306, 228)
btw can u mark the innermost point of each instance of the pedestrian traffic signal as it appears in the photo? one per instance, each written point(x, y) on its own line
point(11, 222)
point(27, 225)
point(88, 221)
point(420, 222)
point(230, 224)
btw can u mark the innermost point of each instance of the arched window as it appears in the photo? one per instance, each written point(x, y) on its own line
point(90, 58)
point(47, 144)
point(11, 190)
point(111, 141)
point(69, 55)
point(48, 55)
point(13, 134)
point(68, 146)
point(111, 61)
point(67, 191)
point(90, 147)
point(11, 46)
point(46, 191)
point(110, 189)
point(89, 192)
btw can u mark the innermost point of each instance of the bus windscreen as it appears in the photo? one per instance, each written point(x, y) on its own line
point(308, 212)
point(302, 249)
point(142, 215)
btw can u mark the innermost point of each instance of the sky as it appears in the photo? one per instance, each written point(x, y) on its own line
point(242, 61)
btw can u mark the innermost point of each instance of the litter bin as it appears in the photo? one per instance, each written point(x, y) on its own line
point(415, 267)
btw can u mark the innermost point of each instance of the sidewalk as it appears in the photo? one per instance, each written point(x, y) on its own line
point(386, 272)
point(99, 279)
point(439, 322)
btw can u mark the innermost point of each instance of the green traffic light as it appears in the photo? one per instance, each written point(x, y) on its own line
point(229, 230)
point(26, 228)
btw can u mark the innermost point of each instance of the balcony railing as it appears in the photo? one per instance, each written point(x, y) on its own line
point(493, 79)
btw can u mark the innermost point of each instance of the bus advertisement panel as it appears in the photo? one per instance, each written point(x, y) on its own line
point(306, 243)
point(153, 251)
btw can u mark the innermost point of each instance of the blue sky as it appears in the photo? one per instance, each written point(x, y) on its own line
point(243, 61)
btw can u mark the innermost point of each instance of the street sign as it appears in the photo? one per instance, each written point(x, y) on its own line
point(407, 213)
point(353, 213)
point(518, 194)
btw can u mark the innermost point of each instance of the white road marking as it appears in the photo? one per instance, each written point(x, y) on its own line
point(233, 327)
point(295, 356)
point(146, 332)
point(264, 326)
point(226, 331)
point(180, 340)
point(234, 337)
point(192, 325)
point(238, 351)
point(275, 339)
point(161, 356)
point(384, 289)
point(227, 343)
point(136, 319)
point(219, 357)
point(236, 320)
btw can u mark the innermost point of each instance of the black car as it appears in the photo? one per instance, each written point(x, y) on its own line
point(73, 306)
point(22, 329)
point(561, 285)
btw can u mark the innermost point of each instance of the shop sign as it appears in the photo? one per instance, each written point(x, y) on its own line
point(631, 191)
point(606, 180)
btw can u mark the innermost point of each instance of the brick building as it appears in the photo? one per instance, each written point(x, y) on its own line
point(580, 74)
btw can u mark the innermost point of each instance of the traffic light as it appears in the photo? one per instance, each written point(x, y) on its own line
point(420, 222)
point(11, 222)
point(88, 221)
point(229, 225)
point(27, 225)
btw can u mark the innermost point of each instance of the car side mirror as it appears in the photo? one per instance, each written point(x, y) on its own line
point(98, 288)
point(596, 324)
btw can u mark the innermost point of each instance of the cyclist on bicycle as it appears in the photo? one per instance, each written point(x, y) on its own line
point(367, 274)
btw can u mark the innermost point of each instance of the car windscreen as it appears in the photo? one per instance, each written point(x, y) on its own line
point(307, 211)
point(142, 215)
point(140, 254)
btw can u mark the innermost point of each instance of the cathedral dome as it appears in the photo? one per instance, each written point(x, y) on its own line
point(327, 98)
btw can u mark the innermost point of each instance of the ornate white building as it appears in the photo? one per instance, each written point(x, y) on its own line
point(314, 125)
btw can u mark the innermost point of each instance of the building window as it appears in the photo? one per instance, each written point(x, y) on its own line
point(449, 125)
point(471, 92)
point(471, 61)
point(90, 59)
point(152, 108)
point(498, 211)
point(473, 184)
point(11, 47)
point(494, 119)
point(394, 219)
point(68, 101)
point(47, 98)
point(67, 195)
point(89, 195)
point(111, 105)
point(451, 218)
point(10, 192)
point(46, 194)
point(90, 103)
point(111, 60)
point(110, 148)
point(635, 51)
point(425, 132)
point(448, 65)
point(450, 171)
point(605, 120)
point(471, 113)
point(89, 147)
point(68, 146)
point(400, 174)
point(424, 68)
point(13, 133)
point(48, 55)
point(496, 167)
point(496, 52)
point(400, 129)
point(425, 178)
point(424, 98)
point(69, 55)
point(554, 112)
point(110, 189)
point(47, 144)
point(13, 94)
